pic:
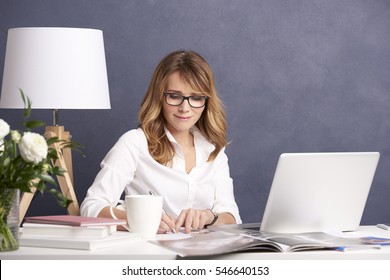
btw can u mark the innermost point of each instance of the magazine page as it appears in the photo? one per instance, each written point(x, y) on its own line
point(319, 240)
point(302, 241)
point(220, 242)
point(215, 243)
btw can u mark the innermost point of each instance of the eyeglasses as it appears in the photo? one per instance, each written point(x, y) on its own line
point(195, 101)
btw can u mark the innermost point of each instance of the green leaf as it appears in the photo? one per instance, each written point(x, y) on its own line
point(61, 199)
point(23, 186)
point(58, 171)
point(27, 105)
point(39, 185)
point(52, 154)
point(73, 145)
point(47, 178)
point(33, 124)
point(52, 140)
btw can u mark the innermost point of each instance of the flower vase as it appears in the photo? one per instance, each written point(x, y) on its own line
point(9, 219)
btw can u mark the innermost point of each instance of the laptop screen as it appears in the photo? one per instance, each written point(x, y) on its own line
point(319, 191)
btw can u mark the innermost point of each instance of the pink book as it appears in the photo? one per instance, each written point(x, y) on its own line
point(74, 220)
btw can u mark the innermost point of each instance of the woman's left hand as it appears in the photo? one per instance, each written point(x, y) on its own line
point(193, 219)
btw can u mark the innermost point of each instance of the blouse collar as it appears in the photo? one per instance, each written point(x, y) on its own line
point(203, 147)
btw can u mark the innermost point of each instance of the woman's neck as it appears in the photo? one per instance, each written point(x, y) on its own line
point(183, 138)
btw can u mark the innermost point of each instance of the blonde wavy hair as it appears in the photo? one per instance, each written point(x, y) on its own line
point(196, 72)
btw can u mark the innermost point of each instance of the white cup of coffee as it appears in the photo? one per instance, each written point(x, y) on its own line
point(144, 214)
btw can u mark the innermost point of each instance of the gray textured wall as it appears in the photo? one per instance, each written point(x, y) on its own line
point(295, 76)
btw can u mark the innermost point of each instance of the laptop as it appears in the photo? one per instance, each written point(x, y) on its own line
point(314, 192)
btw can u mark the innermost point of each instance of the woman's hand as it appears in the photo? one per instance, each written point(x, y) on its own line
point(167, 224)
point(193, 219)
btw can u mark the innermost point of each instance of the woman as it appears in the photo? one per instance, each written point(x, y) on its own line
point(177, 151)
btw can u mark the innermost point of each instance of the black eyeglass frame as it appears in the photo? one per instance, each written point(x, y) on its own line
point(184, 98)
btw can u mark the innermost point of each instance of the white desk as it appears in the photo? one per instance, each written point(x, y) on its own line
point(144, 250)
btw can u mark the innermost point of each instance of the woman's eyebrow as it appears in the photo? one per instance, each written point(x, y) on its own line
point(180, 92)
point(173, 91)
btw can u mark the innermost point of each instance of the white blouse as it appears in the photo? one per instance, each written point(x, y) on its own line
point(128, 167)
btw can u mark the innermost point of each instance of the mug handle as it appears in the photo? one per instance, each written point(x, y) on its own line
point(121, 206)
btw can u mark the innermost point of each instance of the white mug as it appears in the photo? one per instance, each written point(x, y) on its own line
point(144, 214)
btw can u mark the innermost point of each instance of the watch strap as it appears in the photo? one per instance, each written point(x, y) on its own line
point(214, 219)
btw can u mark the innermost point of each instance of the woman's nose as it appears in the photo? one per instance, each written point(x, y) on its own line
point(185, 106)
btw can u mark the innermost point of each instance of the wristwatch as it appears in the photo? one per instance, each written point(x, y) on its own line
point(215, 218)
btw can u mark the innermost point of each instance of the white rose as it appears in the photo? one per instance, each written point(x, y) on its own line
point(33, 147)
point(4, 129)
point(15, 136)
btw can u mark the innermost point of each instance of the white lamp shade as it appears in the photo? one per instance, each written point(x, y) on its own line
point(57, 68)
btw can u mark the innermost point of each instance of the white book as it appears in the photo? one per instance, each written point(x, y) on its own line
point(115, 239)
point(51, 230)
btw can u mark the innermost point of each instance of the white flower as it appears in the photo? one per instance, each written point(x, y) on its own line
point(33, 147)
point(15, 136)
point(4, 129)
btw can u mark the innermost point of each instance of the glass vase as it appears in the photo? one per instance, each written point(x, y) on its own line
point(9, 219)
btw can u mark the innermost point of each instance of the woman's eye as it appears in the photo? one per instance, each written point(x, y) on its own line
point(197, 98)
point(175, 96)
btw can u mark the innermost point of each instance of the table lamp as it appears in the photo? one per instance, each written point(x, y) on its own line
point(57, 68)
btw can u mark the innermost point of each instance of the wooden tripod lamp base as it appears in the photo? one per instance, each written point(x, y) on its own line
point(66, 182)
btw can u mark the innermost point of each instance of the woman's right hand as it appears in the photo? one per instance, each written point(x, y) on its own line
point(167, 224)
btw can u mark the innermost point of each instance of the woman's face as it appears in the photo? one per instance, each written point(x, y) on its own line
point(180, 118)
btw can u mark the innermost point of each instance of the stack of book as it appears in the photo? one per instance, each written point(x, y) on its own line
point(73, 232)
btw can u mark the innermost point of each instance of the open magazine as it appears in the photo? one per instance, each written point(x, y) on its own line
point(220, 242)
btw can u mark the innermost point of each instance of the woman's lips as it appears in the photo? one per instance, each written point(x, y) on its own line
point(182, 118)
